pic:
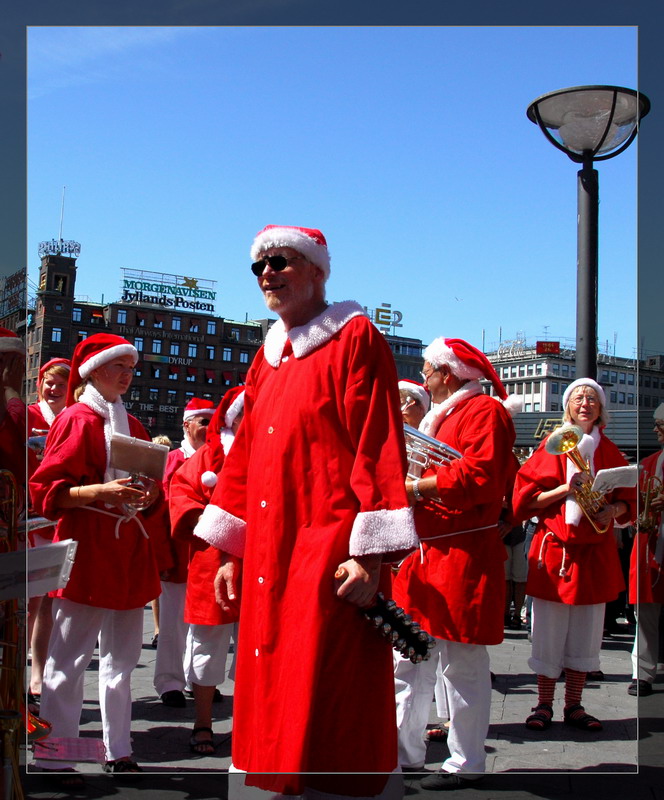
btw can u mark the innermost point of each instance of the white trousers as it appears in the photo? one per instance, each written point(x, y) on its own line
point(394, 790)
point(76, 628)
point(467, 683)
point(646, 642)
point(565, 636)
point(169, 665)
point(207, 651)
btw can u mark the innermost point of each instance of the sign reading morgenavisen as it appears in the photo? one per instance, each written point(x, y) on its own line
point(169, 291)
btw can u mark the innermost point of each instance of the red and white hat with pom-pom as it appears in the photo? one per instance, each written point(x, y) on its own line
point(94, 352)
point(10, 342)
point(469, 363)
point(197, 407)
point(65, 363)
point(308, 241)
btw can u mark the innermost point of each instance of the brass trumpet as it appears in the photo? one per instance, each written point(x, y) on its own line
point(651, 486)
point(564, 441)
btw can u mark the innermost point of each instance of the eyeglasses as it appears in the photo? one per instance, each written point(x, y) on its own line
point(427, 375)
point(584, 398)
point(659, 424)
point(277, 263)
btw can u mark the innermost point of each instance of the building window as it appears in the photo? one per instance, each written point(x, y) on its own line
point(209, 376)
point(613, 397)
point(158, 321)
point(235, 334)
point(646, 381)
point(630, 399)
point(192, 350)
point(565, 370)
point(122, 316)
point(531, 369)
point(613, 377)
point(211, 327)
point(527, 407)
point(210, 352)
point(173, 373)
point(655, 383)
point(506, 372)
point(187, 397)
point(207, 396)
point(536, 387)
point(176, 323)
point(153, 395)
point(522, 370)
point(82, 335)
point(191, 374)
point(156, 345)
point(56, 335)
point(554, 407)
point(513, 372)
point(556, 369)
point(172, 396)
point(156, 371)
point(554, 387)
point(175, 348)
point(538, 369)
point(621, 377)
point(630, 379)
point(244, 357)
point(76, 315)
point(227, 354)
point(621, 397)
point(138, 344)
point(193, 326)
point(536, 406)
point(140, 319)
point(135, 394)
point(138, 370)
point(519, 388)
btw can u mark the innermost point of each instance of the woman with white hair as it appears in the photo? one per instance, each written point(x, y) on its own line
point(573, 570)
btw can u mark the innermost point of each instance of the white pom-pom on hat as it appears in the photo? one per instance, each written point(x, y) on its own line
point(209, 479)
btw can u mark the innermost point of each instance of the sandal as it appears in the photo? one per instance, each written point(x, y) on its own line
point(204, 747)
point(540, 720)
point(437, 734)
point(576, 717)
point(121, 765)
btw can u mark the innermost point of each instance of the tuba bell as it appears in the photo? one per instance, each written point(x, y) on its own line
point(424, 452)
point(648, 520)
point(564, 441)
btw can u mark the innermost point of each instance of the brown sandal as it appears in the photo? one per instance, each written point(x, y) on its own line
point(202, 747)
point(576, 717)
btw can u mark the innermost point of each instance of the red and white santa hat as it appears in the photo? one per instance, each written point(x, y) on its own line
point(417, 390)
point(218, 433)
point(10, 342)
point(469, 363)
point(65, 363)
point(584, 382)
point(94, 352)
point(308, 241)
point(658, 413)
point(197, 407)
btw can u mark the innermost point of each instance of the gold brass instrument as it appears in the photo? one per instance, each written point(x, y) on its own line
point(564, 441)
point(424, 451)
point(650, 487)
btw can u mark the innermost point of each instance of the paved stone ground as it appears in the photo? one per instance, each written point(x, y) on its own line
point(626, 760)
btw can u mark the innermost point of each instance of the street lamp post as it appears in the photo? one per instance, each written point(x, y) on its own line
point(588, 123)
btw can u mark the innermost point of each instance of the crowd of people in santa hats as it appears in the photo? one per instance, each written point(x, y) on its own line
point(298, 475)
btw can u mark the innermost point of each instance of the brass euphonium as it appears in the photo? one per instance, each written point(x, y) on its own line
point(648, 521)
point(564, 441)
point(424, 451)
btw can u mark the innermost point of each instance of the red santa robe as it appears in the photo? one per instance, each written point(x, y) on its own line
point(115, 565)
point(190, 492)
point(570, 563)
point(317, 473)
point(40, 418)
point(648, 587)
point(455, 585)
point(175, 553)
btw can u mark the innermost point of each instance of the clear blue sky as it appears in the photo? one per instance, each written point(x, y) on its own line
point(408, 147)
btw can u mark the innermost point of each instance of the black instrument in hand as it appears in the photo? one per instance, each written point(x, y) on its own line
point(406, 635)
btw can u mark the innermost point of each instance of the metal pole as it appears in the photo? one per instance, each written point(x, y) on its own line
point(586, 271)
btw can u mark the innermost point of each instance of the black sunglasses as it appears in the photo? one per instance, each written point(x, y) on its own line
point(277, 263)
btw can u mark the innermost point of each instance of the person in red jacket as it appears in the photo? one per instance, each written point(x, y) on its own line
point(312, 488)
point(454, 585)
point(572, 570)
point(170, 663)
point(646, 581)
point(115, 570)
point(210, 627)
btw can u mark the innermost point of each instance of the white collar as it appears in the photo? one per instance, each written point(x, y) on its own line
point(435, 415)
point(306, 338)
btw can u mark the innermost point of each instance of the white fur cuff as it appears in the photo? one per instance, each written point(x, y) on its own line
point(383, 531)
point(221, 529)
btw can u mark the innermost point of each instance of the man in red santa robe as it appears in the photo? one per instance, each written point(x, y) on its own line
point(313, 487)
point(454, 585)
point(210, 627)
point(169, 666)
point(646, 581)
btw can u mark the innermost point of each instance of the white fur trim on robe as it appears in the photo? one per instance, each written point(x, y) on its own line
point(223, 530)
point(307, 338)
point(383, 531)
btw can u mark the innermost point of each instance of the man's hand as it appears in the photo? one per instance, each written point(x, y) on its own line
point(227, 583)
point(357, 579)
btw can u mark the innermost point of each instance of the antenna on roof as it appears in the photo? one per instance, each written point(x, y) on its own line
point(62, 212)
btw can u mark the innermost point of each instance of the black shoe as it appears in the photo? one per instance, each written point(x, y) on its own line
point(174, 699)
point(155, 640)
point(639, 688)
point(447, 781)
point(596, 675)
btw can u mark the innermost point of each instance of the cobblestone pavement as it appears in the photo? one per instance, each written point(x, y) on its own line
point(626, 760)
